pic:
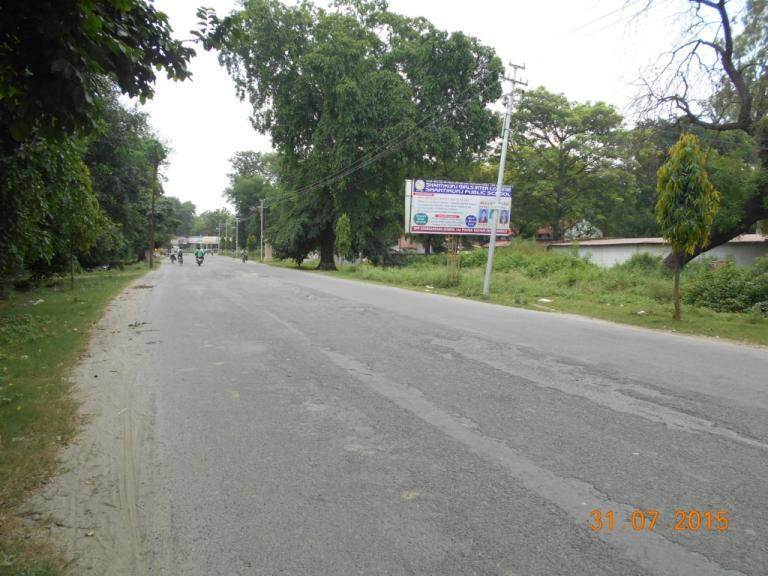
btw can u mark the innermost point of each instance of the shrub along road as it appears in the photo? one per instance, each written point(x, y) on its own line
point(274, 421)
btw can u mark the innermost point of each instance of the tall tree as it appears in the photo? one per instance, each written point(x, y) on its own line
point(55, 55)
point(56, 60)
point(177, 218)
point(211, 222)
point(687, 203)
point(247, 163)
point(253, 179)
point(563, 162)
point(717, 79)
point(119, 158)
point(337, 90)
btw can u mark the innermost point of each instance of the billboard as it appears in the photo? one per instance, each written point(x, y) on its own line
point(455, 208)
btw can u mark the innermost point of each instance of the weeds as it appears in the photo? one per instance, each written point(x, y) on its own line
point(41, 333)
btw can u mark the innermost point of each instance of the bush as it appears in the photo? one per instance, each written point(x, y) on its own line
point(728, 289)
point(760, 309)
point(644, 263)
point(531, 260)
point(760, 265)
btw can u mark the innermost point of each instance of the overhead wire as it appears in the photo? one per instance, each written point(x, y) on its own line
point(394, 143)
point(598, 19)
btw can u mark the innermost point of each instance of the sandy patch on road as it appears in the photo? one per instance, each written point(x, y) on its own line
point(92, 507)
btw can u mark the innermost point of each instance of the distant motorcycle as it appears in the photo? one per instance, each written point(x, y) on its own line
point(173, 258)
point(199, 260)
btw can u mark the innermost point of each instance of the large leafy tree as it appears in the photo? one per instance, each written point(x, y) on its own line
point(731, 163)
point(252, 179)
point(211, 222)
point(337, 91)
point(54, 56)
point(247, 163)
point(180, 218)
point(120, 162)
point(57, 60)
point(687, 202)
point(564, 162)
point(717, 80)
point(59, 212)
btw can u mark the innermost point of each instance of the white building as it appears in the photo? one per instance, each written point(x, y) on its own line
point(205, 242)
point(607, 252)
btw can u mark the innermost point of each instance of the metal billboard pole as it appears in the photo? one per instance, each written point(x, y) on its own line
point(500, 181)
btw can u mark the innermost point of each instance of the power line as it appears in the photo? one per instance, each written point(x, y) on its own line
point(598, 19)
point(383, 150)
point(396, 142)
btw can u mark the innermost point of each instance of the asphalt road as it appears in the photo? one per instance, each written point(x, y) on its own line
point(306, 425)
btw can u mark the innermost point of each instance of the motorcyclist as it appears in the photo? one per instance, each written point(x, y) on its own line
point(180, 256)
point(244, 254)
point(199, 253)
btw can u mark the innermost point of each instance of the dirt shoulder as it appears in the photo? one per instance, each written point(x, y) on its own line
point(91, 507)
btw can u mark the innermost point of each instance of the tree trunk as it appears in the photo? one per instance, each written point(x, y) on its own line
point(327, 244)
point(428, 245)
point(71, 265)
point(755, 209)
point(677, 292)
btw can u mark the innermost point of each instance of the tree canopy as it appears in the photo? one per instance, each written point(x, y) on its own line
point(717, 80)
point(353, 98)
point(73, 162)
point(55, 57)
point(563, 162)
point(687, 202)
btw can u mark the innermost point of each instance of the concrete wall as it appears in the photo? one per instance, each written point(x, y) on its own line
point(609, 255)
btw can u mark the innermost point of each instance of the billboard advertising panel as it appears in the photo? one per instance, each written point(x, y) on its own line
point(455, 208)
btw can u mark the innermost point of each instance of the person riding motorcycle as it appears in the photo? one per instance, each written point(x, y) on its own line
point(244, 254)
point(180, 256)
point(199, 255)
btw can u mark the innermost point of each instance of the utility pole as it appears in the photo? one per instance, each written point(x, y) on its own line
point(237, 231)
point(261, 229)
point(226, 231)
point(219, 236)
point(155, 166)
point(500, 181)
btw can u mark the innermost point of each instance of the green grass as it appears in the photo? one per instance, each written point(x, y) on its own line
point(638, 292)
point(42, 333)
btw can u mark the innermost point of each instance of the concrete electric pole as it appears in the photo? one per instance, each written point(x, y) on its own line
point(237, 232)
point(500, 181)
point(155, 167)
point(261, 228)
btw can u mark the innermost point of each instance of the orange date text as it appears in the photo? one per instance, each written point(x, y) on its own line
point(647, 520)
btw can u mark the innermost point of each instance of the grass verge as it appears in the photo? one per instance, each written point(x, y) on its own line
point(638, 292)
point(42, 333)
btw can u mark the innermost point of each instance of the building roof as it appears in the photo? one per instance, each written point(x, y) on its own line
point(742, 239)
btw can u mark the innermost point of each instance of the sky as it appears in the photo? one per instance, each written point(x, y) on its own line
point(589, 50)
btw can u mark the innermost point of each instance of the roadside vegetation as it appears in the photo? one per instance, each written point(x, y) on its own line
point(355, 98)
point(727, 302)
point(42, 334)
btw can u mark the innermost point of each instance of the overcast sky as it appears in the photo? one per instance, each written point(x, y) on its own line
point(587, 49)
